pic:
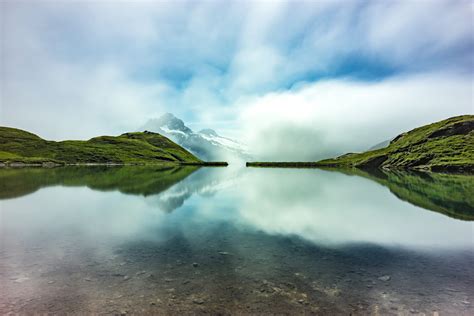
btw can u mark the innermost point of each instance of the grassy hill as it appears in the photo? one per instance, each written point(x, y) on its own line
point(18, 146)
point(446, 146)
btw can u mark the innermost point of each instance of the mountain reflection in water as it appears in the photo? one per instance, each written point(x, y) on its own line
point(151, 239)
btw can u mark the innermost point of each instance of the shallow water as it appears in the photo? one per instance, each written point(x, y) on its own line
point(227, 240)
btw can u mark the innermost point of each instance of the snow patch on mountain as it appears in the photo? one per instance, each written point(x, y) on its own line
point(223, 141)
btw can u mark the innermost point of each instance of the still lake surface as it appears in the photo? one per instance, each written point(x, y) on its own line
point(132, 240)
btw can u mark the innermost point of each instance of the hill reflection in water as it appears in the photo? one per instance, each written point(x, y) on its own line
point(162, 240)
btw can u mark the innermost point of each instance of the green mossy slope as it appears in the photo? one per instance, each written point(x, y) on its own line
point(18, 146)
point(447, 145)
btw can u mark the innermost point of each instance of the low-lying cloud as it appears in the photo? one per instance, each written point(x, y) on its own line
point(332, 117)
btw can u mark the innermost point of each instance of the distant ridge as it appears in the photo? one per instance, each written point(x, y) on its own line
point(380, 145)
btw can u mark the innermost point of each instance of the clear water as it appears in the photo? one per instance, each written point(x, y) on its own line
point(132, 240)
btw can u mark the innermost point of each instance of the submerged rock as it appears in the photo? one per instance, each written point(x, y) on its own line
point(19, 279)
point(384, 278)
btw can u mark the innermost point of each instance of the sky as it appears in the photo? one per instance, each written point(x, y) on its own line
point(298, 80)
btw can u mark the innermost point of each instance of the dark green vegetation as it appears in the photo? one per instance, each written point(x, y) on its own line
point(445, 146)
point(21, 147)
point(206, 163)
point(138, 180)
point(448, 194)
point(283, 164)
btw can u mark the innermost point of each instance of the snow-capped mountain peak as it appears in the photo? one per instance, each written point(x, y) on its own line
point(206, 144)
point(217, 140)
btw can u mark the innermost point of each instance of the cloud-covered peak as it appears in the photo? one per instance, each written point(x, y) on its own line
point(208, 131)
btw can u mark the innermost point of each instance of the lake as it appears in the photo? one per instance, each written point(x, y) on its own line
point(129, 240)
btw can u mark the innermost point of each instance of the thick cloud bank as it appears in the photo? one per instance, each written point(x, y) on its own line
point(328, 118)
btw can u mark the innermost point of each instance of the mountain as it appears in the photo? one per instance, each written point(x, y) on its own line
point(447, 145)
point(206, 143)
point(18, 146)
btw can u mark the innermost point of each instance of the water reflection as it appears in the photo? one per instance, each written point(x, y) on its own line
point(138, 239)
point(162, 185)
point(329, 207)
point(139, 180)
point(449, 194)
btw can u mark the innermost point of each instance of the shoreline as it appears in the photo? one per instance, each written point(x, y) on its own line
point(320, 165)
point(206, 163)
point(92, 164)
point(268, 164)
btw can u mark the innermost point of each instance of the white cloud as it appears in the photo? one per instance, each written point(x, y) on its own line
point(74, 70)
point(332, 117)
point(407, 31)
point(73, 102)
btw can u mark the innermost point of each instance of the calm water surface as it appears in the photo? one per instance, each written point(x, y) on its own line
point(128, 240)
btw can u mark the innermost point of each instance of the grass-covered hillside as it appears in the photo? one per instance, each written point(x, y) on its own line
point(18, 146)
point(443, 146)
